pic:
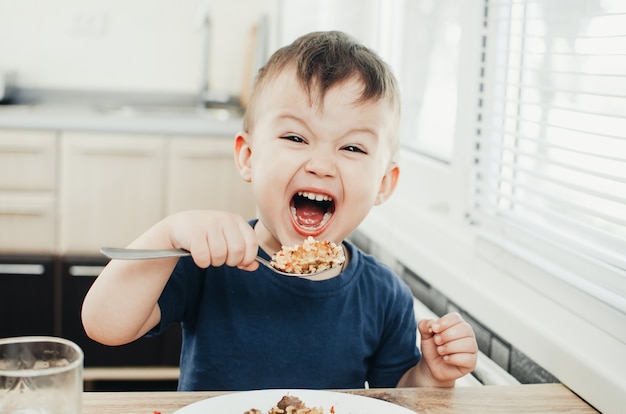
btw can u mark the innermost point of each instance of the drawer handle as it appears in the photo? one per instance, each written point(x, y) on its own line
point(208, 154)
point(115, 152)
point(21, 269)
point(85, 271)
point(22, 149)
point(21, 211)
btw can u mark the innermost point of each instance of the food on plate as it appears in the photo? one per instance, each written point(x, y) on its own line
point(309, 257)
point(289, 404)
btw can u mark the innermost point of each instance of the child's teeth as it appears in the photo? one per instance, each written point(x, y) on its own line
point(314, 197)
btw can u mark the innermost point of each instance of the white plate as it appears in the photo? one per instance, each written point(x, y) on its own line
point(264, 400)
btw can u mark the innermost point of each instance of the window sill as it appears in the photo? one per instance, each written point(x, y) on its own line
point(426, 239)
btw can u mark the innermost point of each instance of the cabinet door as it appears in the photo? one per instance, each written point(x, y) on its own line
point(27, 160)
point(78, 274)
point(202, 175)
point(27, 191)
point(27, 296)
point(27, 222)
point(111, 189)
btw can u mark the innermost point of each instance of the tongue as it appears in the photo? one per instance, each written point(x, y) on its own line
point(309, 214)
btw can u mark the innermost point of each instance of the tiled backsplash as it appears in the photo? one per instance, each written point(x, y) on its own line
point(500, 351)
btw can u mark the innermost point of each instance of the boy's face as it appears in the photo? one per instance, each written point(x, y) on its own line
point(316, 170)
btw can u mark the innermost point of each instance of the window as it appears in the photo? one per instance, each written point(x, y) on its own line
point(420, 40)
point(550, 155)
point(429, 75)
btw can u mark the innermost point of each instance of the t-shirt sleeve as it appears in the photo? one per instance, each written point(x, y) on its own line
point(180, 295)
point(398, 350)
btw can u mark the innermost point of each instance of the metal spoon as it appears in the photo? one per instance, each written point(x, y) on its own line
point(144, 254)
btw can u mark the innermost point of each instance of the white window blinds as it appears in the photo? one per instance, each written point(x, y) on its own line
point(550, 150)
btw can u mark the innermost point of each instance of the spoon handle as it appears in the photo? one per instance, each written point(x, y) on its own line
point(144, 254)
point(141, 254)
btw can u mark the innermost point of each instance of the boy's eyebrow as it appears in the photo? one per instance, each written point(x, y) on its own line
point(298, 119)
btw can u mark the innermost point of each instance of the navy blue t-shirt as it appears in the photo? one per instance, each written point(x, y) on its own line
point(252, 330)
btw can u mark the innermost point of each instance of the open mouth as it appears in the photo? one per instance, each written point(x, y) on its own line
point(311, 211)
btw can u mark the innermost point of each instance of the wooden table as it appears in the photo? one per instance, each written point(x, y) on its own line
point(535, 398)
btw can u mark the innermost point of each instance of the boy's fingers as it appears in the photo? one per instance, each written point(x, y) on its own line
point(251, 247)
point(203, 261)
point(461, 330)
point(201, 255)
point(249, 267)
point(446, 322)
point(465, 345)
point(234, 245)
point(464, 362)
point(425, 328)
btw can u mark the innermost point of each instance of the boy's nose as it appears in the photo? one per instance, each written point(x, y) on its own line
point(321, 163)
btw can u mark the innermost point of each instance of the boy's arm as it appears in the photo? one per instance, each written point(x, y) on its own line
point(122, 304)
point(449, 351)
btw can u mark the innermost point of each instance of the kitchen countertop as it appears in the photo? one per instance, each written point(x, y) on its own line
point(122, 119)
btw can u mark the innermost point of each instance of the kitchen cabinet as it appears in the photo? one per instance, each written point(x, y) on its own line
point(28, 293)
point(112, 188)
point(27, 191)
point(78, 274)
point(27, 160)
point(63, 195)
point(202, 175)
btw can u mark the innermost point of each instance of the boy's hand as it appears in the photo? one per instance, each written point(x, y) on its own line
point(215, 238)
point(449, 348)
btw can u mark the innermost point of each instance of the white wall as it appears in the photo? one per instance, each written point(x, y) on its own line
point(357, 17)
point(137, 45)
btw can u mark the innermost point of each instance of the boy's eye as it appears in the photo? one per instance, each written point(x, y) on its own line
point(354, 148)
point(293, 138)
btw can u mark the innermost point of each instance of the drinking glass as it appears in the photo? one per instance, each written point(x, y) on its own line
point(40, 375)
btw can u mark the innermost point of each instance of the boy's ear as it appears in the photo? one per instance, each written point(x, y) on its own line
point(388, 184)
point(243, 155)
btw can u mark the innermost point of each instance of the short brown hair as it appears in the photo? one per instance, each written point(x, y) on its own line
point(325, 59)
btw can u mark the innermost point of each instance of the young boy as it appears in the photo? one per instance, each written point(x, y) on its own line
point(318, 144)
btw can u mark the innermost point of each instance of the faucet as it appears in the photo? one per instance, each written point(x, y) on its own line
point(205, 25)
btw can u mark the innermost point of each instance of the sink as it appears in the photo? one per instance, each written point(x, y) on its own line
point(219, 114)
point(169, 114)
point(125, 111)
